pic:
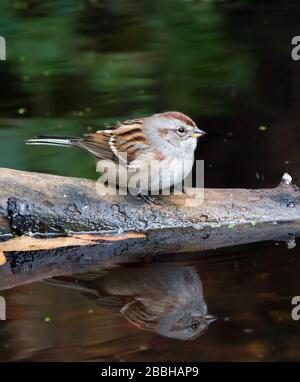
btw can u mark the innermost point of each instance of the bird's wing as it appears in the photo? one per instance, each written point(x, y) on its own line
point(121, 143)
point(139, 315)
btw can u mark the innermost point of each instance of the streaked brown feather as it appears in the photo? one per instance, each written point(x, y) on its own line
point(111, 144)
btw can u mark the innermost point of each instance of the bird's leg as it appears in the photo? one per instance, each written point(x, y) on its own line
point(148, 198)
point(181, 189)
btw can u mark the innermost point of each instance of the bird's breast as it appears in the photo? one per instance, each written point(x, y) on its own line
point(149, 174)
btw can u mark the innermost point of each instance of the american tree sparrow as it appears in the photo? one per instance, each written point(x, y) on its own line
point(161, 147)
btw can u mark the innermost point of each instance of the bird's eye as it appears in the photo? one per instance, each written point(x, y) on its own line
point(195, 326)
point(181, 130)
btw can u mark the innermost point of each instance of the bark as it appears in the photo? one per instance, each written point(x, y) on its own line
point(67, 212)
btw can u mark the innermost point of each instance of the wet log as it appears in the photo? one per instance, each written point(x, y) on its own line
point(51, 224)
point(34, 204)
point(49, 204)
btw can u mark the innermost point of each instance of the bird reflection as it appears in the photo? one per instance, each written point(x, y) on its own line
point(167, 300)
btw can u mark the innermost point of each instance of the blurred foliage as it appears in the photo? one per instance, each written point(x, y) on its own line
point(98, 61)
point(118, 57)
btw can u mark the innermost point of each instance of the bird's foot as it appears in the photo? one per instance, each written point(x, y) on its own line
point(148, 199)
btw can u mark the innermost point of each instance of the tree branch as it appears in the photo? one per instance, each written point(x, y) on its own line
point(66, 210)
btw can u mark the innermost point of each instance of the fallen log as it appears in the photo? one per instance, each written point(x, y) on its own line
point(40, 203)
point(40, 213)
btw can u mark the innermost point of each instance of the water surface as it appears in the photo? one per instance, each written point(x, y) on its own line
point(249, 288)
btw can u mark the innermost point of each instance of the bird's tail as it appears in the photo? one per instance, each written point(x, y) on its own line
point(71, 283)
point(53, 141)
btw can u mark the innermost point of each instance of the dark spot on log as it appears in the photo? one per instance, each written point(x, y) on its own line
point(290, 204)
point(3, 212)
point(48, 204)
point(22, 261)
point(206, 236)
point(18, 211)
point(285, 199)
point(24, 220)
point(295, 187)
point(17, 207)
point(117, 208)
point(203, 218)
point(72, 209)
point(119, 251)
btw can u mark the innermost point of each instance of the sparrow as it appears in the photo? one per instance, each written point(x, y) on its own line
point(159, 147)
point(165, 299)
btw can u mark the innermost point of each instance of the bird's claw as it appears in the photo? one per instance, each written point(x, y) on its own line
point(148, 199)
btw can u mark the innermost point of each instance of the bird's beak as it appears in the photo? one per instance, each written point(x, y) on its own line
point(209, 318)
point(198, 133)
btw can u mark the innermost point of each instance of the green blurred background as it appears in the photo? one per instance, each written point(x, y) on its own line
point(74, 66)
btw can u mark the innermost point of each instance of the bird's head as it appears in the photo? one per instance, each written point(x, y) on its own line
point(186, 326)
point(174, 129)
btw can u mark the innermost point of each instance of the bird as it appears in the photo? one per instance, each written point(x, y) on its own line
point(159, 148)
point(165, 299)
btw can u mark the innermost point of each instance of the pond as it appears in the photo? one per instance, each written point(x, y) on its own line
point(152, 311)
point(73, 67)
